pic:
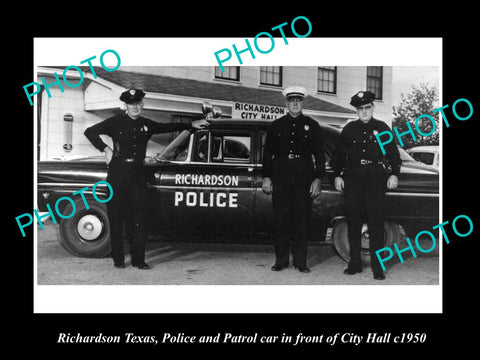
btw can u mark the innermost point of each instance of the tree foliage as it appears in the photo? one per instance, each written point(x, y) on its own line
point(422, 99)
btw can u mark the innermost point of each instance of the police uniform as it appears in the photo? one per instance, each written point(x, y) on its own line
point(126, 175)
point(287, 160)
point(359, 160)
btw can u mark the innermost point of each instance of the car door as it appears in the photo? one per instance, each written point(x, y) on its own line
point(325, 206)
point(264, 217)
point(212, 192)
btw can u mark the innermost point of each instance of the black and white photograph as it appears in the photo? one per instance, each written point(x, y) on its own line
point(238, 175)
point(204, 201)
point(273, 188)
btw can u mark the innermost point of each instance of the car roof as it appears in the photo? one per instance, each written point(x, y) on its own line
point(424, 148)
point(236, 123)
point(255, 124)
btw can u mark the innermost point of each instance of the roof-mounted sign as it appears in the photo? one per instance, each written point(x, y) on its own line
point(257, 112)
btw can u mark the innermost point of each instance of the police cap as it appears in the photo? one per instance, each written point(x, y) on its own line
point(132, 96)
point(362, 98)
point(295, 91)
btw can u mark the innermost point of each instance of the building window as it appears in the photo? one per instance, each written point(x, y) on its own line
point(327, 79)
point(229, 73)
point(179, 119)
point(375, 81)
point(271, 75)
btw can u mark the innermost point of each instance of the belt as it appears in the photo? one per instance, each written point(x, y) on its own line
point(132, 161)
point(370, 162)
point(292, 156)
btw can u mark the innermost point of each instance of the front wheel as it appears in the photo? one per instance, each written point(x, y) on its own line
point(392, 234)
point(87, 232)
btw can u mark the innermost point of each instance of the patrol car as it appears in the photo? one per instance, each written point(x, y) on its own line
point(207, 185)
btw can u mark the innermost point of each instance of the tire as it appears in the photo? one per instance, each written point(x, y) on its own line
point(340, 239)
point(87, 232)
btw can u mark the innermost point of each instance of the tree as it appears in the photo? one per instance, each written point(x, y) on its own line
point(422, 100)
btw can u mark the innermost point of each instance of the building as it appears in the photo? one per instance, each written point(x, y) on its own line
point(175, 94)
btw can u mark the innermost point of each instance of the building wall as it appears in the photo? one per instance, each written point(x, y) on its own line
point(52, 123)
point(72, 101)
point(350, 80)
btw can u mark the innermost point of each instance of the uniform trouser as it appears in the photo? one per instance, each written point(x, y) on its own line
point(292, 207)
point(364, 191)
point(127, 210)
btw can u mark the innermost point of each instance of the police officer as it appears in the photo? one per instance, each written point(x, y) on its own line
point(360, 171)
point(293, 177)
point(130, 133)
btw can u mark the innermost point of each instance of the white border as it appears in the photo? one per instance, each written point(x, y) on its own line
point(200, 52)
point(238, 298)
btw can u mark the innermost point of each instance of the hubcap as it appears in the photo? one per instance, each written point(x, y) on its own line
point(89, 227)
point(365, 244)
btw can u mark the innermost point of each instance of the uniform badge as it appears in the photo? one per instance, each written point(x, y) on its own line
point(306, 127)
point(145, 128)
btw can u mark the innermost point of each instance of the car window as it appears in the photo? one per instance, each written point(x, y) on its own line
point(230, 148)
point(219, 147)
point(404, 156)
point(200, 151)
point(424, 157)
point(177, 150)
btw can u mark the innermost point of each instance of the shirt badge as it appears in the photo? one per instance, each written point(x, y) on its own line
point(375, 132)
point(145, 128)
point(306, 127)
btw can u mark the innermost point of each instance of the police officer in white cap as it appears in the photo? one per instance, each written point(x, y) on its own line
point(130, 133)
point(293, 167)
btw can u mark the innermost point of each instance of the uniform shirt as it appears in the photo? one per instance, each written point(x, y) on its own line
point(299, 135)
point(129, 136)
point(358, 141)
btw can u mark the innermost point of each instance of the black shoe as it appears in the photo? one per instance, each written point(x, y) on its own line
point(278, 267)
point(119, 265)
point(304, 269)
point(352, 270)
point(142, 266)
point(379, 276)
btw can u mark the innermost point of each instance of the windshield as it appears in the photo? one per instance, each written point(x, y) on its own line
point(177, 150)
point(404, 155)
point(424, 157)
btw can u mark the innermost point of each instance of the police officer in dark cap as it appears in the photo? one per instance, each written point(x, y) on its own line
point(293, 166)
point(130, 133)
point(360, 171)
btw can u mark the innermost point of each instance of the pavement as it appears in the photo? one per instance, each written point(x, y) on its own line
point(188, 263)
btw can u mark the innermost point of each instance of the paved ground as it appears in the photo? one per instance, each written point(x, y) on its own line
point(217, 264)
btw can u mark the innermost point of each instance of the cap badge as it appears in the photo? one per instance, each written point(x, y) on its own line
point(360, 94)
point(132, 92)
